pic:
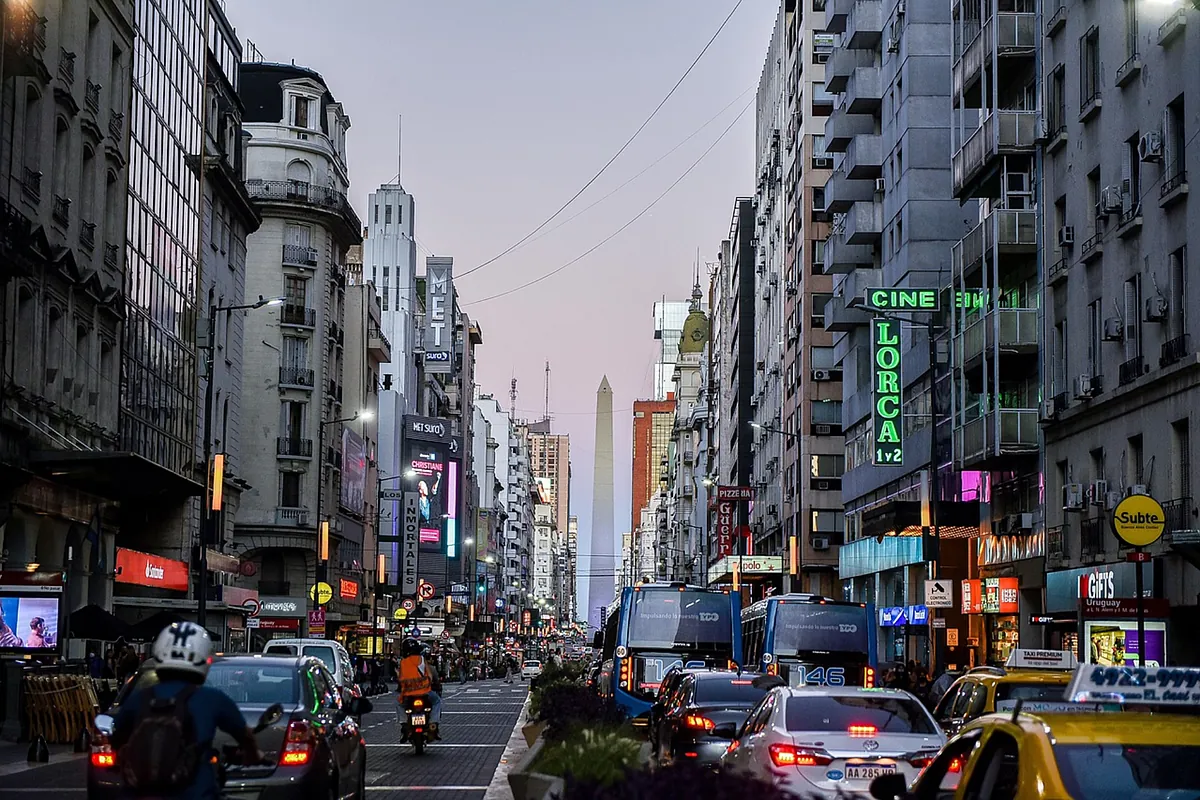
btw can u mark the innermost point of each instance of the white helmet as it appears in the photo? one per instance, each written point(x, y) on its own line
point(184, 647)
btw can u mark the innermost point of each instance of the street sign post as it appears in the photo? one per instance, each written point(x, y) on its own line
point(939, 594)
point(1139, 521)
point(316, 622)
point(322, 593)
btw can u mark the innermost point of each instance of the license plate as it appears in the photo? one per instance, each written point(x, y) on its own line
point(868, 772)
point(418, 719)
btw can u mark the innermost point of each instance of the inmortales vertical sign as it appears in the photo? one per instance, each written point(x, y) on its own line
point(439, 315)
point(410, 541)
point(887, 413)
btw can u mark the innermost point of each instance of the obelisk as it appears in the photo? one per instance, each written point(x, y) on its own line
point(602, 566)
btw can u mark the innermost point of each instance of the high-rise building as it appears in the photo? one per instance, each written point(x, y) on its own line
point(1119, 107)
point(390, 263)
point(653, 423)
point(297, 175)
point(572, 598)
point(601, 558)
point(689, 491)
point(669, 317)
point(64, 471)
point(550, 460)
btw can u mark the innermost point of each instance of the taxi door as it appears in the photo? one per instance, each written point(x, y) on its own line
point(994, 770)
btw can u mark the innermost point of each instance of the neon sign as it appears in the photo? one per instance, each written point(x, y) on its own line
point(887, 412)
point(902, 299)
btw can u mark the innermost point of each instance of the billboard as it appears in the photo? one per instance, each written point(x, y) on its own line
point(439, 315)
point(432, 470)
point(888, 402)
point(354, 471)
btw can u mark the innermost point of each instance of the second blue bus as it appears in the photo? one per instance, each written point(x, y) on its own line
point(811, 640)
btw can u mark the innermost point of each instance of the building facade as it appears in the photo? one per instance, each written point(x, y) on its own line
point(669, 317)
point(653, 421)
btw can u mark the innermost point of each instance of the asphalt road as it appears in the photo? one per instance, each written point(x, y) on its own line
point(477, 722)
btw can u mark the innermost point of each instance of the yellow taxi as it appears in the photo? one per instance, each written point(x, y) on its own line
point(1090, 750)
point(1037, 678)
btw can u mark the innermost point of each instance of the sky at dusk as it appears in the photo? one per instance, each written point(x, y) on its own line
point(509, 107)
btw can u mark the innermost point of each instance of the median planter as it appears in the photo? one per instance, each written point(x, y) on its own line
point(529, 785)
point(532, 731)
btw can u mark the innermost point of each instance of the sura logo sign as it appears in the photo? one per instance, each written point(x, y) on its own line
point(887, 412)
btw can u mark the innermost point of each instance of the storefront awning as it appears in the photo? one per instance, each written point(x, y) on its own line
point(115, 475)
point(956, 520)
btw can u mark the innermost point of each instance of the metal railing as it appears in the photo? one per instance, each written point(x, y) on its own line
point(112, 256)
point(31, 183)
point(322, 197)
point(1091, 536)
point(1131, 370)
point(87, 236)
point(1058, 270)
point(292, 314)
point(60, 212)
point(1056, 543)
point(299, 254)
point(66, 65)
point(295, 376)
point(91, 97)
point(1179, 515)
point(288, 446)
point(1172, 183)
point(1126, 70)
point(1093, 245)
point(1173, 350)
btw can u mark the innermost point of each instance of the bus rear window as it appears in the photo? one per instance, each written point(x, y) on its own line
point(671, 619)
point(820, 627)
point(1118, 772)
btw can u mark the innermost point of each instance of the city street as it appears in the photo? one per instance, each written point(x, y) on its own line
point(478, 720)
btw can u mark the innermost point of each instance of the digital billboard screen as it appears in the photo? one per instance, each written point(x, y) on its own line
point(28, 622)
point(434, 478)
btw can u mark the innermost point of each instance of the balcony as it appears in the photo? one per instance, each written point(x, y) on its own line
point(840, 317)
point(864, 27)
point(60, 212)
point(1090, 106)
point(864, 91)
point(842, 257)
point(24, 41)
point(66, 66)
point(1130, 221)
point(1174, 350)
point(294, 376)
point(1002, 133)
point(91, 97)
point(112, 256)
point(334, 333)
point(31, 184)
point(1173, 27)
point(296, 517)
point(296, 255)
point(378, 346)
point(1092, 247)
point(1091, 539)
point(1058, 271)
point(989, 439)
point(841, 66)
point(321, 198)
point(293, 448)
point(864, 223)
point(1056, 20)
point(293, 314)
point(842, 126)
point(1131, 370)
point(1003, 232)
point(1004, 35)
point(1173, 189)
point(116, 126)
point(1000, 333)
point(87, 236)
point(1129, 70)
point(841, 193)
point(864, 157)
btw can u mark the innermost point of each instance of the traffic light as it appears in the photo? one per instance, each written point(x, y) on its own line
point(481, 584)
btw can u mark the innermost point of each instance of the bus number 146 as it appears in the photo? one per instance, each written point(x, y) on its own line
point(819, 676)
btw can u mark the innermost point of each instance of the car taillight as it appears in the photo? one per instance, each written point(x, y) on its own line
point(698, 722)
point(103, 756)
point(869, 678)
point(862, 731)
point(418, 703)
point(956, 765)
point(921, 762)
point(298, 744)
point(787, 755)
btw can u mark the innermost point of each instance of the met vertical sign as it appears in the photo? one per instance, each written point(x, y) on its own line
point(439, 315)
point(887, 411)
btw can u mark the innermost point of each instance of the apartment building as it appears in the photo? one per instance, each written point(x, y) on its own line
point(1121, 94)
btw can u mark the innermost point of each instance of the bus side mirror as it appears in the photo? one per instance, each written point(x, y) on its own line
point(598, 640)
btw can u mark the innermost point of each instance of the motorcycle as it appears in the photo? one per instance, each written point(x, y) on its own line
point(417, 724)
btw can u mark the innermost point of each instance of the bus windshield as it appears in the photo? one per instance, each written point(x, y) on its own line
point(820, 627)
point(675, 620)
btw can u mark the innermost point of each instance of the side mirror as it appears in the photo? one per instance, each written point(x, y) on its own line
point(889, 786)
point(359, 706)
point(598, 640)
point(104, 724)
point(726, 730)
point(269, 717)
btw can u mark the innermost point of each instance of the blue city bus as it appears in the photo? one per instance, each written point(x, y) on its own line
point(657, 627)
point(809, 640)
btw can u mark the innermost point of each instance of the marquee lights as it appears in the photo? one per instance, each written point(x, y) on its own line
point(887, 413)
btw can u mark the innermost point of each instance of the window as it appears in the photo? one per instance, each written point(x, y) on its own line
point(387, 215)
point(826, 466)
point(996, 772)
point(1135, 459)
point(1178, 289)
point(818, 196)
point(1174, 143)
point(297, 291)
point(1131, 28)
point(295, 352)
point(1131, 175)
point(826, 412)
point(291, 422)
point(289, 489)
point(1093, 189)
point(822, 358)
point(33, 130)
point(818, 256)
point(1133, 317)
point(1095, 324)
point(817, 318)
point(1059, 355)
point(300, 112)
point(1089, 67)
point(1181, 456)
point(827, 521)
point(1056, 99)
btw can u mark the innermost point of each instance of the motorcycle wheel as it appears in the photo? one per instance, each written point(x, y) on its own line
point(418, 746)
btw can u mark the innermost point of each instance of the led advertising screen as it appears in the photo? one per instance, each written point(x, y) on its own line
point(434, 478)
point(29, 622)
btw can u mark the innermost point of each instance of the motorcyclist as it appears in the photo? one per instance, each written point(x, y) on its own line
point(418, 678)
point(183, 652)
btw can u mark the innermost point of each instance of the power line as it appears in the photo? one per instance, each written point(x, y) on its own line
point(616, 155)
point(621, 229)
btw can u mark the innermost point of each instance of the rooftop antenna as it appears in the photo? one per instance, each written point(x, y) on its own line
point(512, 397)
point(547, 417)
point(400, 149)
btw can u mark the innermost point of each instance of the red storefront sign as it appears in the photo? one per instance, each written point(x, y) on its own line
point(724, 529)
point(1010, 595)
point(146, 569)
point(348, 590)
point(278, 624)
point(972, 597)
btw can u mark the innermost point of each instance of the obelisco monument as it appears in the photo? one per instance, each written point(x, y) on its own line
point(602, 563)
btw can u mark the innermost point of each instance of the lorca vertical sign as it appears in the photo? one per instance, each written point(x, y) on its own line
point(439, 315)
point(887, 414)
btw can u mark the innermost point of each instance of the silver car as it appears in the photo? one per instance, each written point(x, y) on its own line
point(829, 742)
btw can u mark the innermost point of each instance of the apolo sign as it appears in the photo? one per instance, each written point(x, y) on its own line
point(887, 411)
point(1139, 520)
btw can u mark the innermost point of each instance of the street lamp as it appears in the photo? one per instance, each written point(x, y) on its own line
point(214, 477)
point(322, 524)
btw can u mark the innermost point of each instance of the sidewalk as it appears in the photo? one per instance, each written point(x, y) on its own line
point(13, 757)
point(513, 753)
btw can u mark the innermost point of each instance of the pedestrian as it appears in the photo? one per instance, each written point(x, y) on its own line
point(942, 685)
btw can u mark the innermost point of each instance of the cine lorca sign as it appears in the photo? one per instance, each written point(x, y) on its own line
point(887, 412)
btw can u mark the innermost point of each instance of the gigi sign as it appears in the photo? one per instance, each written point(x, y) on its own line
point(887, 413)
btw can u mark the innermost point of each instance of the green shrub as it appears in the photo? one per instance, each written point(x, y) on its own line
point(566, 707)
point(594, 757)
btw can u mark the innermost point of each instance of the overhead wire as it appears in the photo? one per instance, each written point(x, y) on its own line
point(616, 155)
point(621, 229)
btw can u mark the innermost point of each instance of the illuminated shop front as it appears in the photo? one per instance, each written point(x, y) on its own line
point(1093, 611)
point(997, 603)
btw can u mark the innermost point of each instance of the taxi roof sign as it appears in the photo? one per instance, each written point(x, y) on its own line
point(1165, 686)
point(1041, 659)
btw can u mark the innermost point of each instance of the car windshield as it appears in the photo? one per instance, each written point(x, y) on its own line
point(840, 713)
point(325, 654)
point(255, 684)
point(728, 692)
point(533, 663)
point(1119, 772)
point(1029, 691)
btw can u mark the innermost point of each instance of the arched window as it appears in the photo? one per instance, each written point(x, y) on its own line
point(31, 180)
point(83, 360)
point(53, 350)
point(106, 385)
point(25, 351)
point(87, 195)
point(113, 203)
point(62, 156)
point(299, 176)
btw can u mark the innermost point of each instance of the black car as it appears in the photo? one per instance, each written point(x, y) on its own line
point(315, 749)
point(702, 713)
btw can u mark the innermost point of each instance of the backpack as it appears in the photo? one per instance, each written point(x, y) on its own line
point(161, 756)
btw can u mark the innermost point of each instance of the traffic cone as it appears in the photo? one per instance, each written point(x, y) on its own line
point(83, 742)
point(39, 751)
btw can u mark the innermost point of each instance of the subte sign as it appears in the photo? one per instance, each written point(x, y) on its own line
point(887, 413)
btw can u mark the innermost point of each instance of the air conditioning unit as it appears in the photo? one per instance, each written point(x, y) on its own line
point(1114, 329)
point(1048, 411)
point(1023, 522)
point(1073, 497)
point(1150, 147)
point(822, 374)
point(1111, 499)
point(1083, 385)
point(1066, 236)
point(773, 511)
point(1137, 488)
point(822, 430)
point(893, 44)
point(820, 543)
point(1110, 200)
point(880, 185)
point(821, 162)
point(791, 287)
point(1096, 492)
point(1157, 308)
